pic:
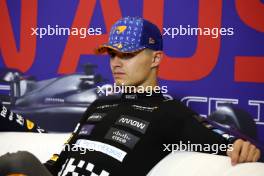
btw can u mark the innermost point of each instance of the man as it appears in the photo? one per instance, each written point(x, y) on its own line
point(128, 135)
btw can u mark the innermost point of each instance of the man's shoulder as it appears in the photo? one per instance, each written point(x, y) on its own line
point(173, 102)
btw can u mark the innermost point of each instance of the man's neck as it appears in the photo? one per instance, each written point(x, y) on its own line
point(148, 86)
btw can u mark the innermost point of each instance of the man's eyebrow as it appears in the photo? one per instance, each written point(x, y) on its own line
point(113, 52)
point(120, 54)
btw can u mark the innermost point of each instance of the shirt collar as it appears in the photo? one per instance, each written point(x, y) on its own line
point(138, 96)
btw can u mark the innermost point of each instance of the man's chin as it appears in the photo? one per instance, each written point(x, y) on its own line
point(121, 83)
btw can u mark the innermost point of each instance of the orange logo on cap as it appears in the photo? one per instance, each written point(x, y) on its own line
point(120, 29)
point(118, 45)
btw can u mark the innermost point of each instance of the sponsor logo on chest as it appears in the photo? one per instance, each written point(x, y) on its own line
point(145, 108)
point(96, 117)
point(133, 123)
point(86, 129)
point(107, 106)
point(122, 137)
point(107, 149)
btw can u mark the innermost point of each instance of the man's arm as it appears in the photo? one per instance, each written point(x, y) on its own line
point(241, 151)
point(189, 127)
point(11, 121)
point(55, 162)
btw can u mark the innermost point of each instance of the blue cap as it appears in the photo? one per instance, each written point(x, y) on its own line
point(132, 34)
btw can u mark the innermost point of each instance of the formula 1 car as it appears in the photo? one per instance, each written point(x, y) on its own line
point(57, 104)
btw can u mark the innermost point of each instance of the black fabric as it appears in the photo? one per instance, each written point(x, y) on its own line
point(10, 121)
point(137, 124)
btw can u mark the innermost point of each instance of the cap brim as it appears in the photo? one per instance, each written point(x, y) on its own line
point(103, 49)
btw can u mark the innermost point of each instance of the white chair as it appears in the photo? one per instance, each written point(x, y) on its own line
point(178, 163)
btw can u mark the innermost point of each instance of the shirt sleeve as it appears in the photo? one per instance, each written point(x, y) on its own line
point(10, 121)
point(185, 128)
point(55, 162)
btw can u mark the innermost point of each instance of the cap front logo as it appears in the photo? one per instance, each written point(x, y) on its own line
point(118, 45)
point(120, 29)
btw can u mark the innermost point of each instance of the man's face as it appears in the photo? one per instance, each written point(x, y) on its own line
point(131, 69)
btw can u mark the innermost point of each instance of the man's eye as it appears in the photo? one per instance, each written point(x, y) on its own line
point(112, 55)
point(128, 55)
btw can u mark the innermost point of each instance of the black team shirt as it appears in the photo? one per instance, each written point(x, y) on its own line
point(127, 136)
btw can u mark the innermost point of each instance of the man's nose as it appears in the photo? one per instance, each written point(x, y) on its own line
point(116, 62)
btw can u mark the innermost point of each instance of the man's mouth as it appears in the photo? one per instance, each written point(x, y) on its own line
point(118, 74)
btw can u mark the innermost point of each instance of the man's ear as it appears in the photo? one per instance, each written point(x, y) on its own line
point(157, 57)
